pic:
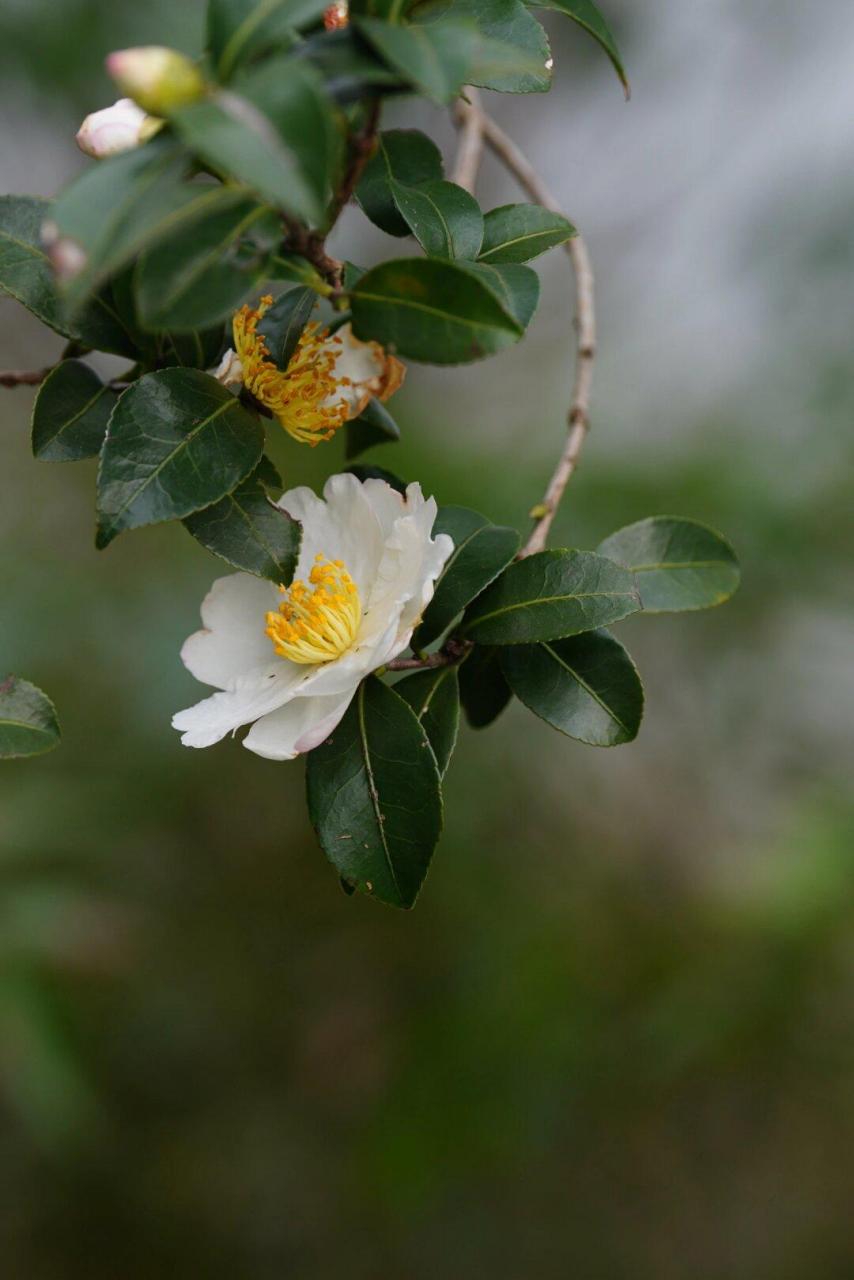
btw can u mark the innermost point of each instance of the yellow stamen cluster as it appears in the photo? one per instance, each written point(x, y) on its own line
point(319, 621)
point(297, 395)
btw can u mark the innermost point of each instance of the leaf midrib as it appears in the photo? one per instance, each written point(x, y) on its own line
point(528, 604)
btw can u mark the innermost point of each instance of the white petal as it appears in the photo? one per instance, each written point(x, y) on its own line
point(235, 642)
point(300, 725)
point(212, 719)
point(341, 526)
point(112, 130)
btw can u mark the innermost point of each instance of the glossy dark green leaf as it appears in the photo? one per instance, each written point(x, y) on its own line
point(374, 796)
point(434, 696)
point(121, 207)
point(445, 220)
point(586, 686)
point(435, 58)
point(281, 327)
point(430, 310)
point(364, 471)
point(551, 595)
point(484, 693)
point(349, 66)
point(513, 53)
point(375, 425)
point(202, 275)
point(275, 132)
point(405, 156)
point(246, 529)
point(517, 288)
point(588, 16)
point(520, 232)
point(240, 30)
point(481, 551)
point(28, 723)
point(177, 442)
point(200, 349)
point(679, 565)
point(27, 275)
point(71, 413)
point(390, 10)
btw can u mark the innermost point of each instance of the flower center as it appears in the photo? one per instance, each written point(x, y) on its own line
point(305, 397)
point(319, 621)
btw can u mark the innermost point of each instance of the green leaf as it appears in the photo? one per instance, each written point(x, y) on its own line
point(374, 796)
point(27, 275)
point(249, 531)
point(71, 413)
point(203, 274)
point(28, 723)
point(445, 220)
point(586, 686)
point(281, 327)
point(513, 53)
point(276, 133)
point(177, 442)
point(375, 425)
point(587, 15)
point(201, 349)
point(240, 30)
point(481, 551)
point(484, 693)
point(435, 58)
point(434, 696)
point(430, 310)
point(405, 156)
point(679, 565)
point(520, 232)
point(390, 10)
point(123, 206)
point(349, 66)
point(550, 595)
point(517, 288)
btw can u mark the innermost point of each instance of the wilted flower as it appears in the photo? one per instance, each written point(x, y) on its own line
point(118, 128)
point(160, 80)
point(288, 660)
point(329, 380)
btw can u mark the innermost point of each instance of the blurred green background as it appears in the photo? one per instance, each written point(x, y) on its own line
point(615, 1039)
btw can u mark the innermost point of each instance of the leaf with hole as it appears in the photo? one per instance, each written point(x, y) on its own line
point(481, 551)
point(586, 686)
point(430, 310)
point(70, 413)
point(28, 723)
point(520, 232)
point(679, 565)
point(177, 442)
point(588, 16)
point(374, 796)
point(551, 595)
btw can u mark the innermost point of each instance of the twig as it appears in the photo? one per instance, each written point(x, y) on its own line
point(470, 153)
point(24, 377)
point(578, 419)
point(452, 652)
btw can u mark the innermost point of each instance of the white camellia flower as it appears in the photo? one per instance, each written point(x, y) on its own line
point(118, 128)
point(289, 660)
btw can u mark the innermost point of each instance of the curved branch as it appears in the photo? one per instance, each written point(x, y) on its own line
point(578, 418)
point(470, 152)
point(24, 377)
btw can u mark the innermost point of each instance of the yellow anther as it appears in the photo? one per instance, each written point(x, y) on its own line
point(315, 626)
point(298, 396)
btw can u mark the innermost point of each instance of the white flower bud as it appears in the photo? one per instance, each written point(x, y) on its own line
point(118, 128)
point(160, 80)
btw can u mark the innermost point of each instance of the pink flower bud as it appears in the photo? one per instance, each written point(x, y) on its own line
point(118, 128)
point(160, 80)
point(68, 258)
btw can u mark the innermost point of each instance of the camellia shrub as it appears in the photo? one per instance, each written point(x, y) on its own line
point(350, 627)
